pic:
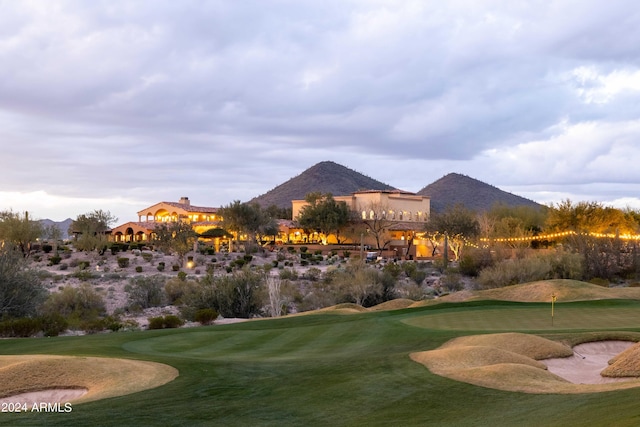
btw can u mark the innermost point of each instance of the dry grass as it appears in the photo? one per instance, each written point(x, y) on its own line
point(509, 362)
point(531, 346)
point(395, 304)
point(101, 377)
point(626, 364)
point(566, 290)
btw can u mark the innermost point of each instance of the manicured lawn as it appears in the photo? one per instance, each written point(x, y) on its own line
point(337, 370)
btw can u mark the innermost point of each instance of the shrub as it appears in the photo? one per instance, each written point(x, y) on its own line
point(53, 324)
point(172, 321)
point(156, 322)
point(147, 256)
point(83, 275)
point(123, 262)
point(76, 305)
point(247, 258)
point(312, 274)
point(557, 265)
point(206, 315)
point(288, 274)
point(475, 260)
point(22, 328)
point(63, 266)
point(146, 292)
point(182, 276)
point(166, 322)
point(160, 266)
point(303, 249)
point(46, 248)
point(175, 267)
point(55, 260)
point(139, 269)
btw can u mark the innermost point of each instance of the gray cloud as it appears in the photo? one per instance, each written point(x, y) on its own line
point(226, 100)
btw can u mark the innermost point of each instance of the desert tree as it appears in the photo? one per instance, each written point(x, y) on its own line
point(250, 219)
point(21, 291)
point(457, 225)
point(378, 222)
point(19, 230)
point(175, 236)
point(324, 214)
point(90, 229)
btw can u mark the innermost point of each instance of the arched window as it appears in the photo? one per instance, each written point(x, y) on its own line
point(371, 214)
point(364, 215)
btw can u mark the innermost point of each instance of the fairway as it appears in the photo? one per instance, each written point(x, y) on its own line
point(339, 370)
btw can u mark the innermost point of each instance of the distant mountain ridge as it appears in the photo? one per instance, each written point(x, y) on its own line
point(475, 195)
point(330, 177)
point(325, 177)
point(63, 226)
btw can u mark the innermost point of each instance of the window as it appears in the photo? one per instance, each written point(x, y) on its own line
point(364, 215)
point(371, 214)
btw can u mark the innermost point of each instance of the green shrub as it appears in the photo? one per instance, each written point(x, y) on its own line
point(165, 322)
point(288, 274)
point(247, 258)
point(53, 324)
point(206, 315)
point(138, 269)
point(20, 328)
point(182, 276)
point(123, 262)
point(46, 248)
point(147, 256)
point(55, 260)
point(83, 275)
point(63, 266)
point(160, 266)
point(175, 267)
point(156, 322)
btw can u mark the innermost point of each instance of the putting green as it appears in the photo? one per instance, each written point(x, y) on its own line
point(528, 318)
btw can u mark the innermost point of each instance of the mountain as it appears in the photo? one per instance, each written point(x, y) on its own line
point(63, 226)
point(324, 177)
point(475, 195)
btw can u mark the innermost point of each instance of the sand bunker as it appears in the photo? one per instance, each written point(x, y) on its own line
point(528, 363)
point(47, 378)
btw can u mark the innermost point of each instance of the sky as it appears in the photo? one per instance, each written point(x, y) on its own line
point(117, 105)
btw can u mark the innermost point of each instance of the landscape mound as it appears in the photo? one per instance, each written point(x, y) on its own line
point(626, 364)
point(395, 304)
point(564, 289)
point(100, 377)
point(510, 362)
point(532, 346)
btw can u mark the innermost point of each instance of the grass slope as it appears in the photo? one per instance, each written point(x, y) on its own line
point(337, 370)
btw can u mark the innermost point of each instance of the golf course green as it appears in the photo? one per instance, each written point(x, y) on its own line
point(342, 369)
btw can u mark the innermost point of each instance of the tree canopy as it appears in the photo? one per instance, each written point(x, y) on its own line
point(324, 214)
point(90, 229)
point(250, 219)
point(19, 230)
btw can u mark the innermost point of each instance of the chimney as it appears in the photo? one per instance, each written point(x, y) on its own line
point(184, 201)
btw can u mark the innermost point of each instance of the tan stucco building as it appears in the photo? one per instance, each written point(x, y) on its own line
point(201, 218)
point(405, 214)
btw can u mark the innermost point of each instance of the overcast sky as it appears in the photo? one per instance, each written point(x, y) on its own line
point(117, 105)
